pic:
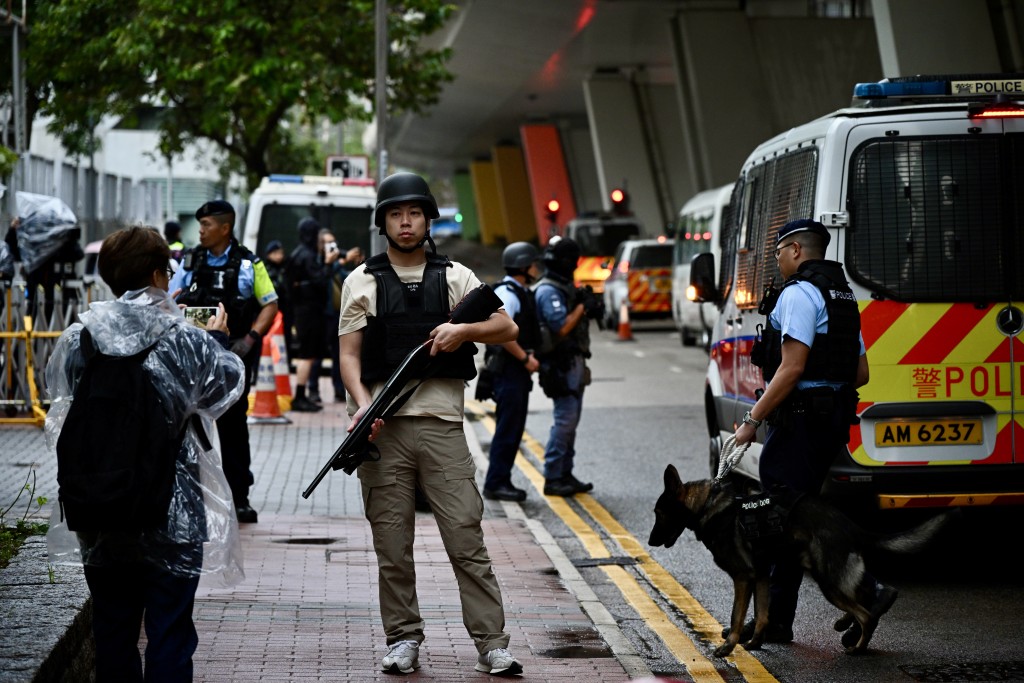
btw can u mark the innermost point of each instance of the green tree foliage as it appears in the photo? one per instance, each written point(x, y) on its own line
point(238, 73)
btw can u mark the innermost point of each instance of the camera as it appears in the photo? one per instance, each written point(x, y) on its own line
point(331, 247)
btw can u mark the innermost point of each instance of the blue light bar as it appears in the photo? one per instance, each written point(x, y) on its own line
point(285, 178)
point(872, 91)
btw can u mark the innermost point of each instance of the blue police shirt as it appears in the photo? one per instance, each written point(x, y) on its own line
point(800, 314)
point(508, 296)
point(551, 307)
point(246, 275)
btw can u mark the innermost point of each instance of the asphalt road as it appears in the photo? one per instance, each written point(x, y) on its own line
point(958, 614)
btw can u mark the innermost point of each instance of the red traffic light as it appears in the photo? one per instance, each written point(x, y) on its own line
point(620, 202)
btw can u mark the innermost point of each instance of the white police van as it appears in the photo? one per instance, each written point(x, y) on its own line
point(920, 183)
point(342, 205)
point(697, 231)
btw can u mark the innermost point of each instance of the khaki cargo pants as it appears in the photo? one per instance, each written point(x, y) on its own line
point(434, 453)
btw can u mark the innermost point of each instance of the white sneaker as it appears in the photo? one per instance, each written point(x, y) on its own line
point(402, 657)
point(499, 661)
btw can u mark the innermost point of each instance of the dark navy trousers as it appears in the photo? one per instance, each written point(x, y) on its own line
point(127, 596)
point(797, 456)
point(512, 395)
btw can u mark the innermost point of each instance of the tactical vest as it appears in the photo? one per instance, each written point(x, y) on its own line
point(406, 313)
point(211, 285)
point(525, 318)
point(577, 342)
point(835, 354)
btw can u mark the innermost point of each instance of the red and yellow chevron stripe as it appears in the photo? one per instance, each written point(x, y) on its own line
point(591, 270)
point(650, 290)
point(943, 352)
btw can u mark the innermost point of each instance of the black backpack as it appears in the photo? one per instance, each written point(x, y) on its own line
point(117, 450)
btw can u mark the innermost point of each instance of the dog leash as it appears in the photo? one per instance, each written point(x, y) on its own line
point(731, 454)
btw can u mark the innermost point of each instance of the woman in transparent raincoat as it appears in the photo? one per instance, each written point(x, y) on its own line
point(151, 577)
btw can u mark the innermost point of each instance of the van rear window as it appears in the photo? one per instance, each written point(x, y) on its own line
point(938, 219)
point(653, 256)
point(350, 226)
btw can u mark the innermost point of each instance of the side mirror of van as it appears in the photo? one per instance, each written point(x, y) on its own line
point(702, 279)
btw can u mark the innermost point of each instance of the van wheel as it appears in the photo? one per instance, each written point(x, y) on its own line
point(688, 337)
point(714, 455)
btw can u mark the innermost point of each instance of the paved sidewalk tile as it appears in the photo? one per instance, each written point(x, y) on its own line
point(307, 609)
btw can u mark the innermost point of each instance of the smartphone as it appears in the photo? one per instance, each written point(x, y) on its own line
point(200, 315)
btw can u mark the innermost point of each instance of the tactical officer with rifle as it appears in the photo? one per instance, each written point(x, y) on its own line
point(813, 359)
point(389, 305)
point(511, 365)
point(220, 270)
point(565, 312)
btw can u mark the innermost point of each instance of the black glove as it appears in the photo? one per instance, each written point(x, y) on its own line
point(243, 346)
point(592, 305)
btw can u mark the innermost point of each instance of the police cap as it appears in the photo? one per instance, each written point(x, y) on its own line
point(803, 225)
point(216, 207)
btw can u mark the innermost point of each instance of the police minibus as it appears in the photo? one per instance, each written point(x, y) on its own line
point(697, 231)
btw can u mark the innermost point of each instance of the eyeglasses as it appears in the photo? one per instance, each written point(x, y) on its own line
point(779, 248)
point(170, 271)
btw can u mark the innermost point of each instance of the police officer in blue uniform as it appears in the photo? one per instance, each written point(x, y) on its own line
point(220, 270)
point(813, 359)
point(513, 363)
point(565, 320)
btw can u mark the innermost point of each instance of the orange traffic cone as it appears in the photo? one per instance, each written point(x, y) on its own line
point(625, 330)
point(265, 409)
point(279, 353)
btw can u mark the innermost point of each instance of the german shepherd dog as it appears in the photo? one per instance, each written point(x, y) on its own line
point(828, 544)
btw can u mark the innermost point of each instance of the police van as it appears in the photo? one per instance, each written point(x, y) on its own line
point(698, 231)
point(920, 183)
point(342, 205)
point(599, 235)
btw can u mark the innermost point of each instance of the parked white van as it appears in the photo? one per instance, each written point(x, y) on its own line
point(342, 205)
point(698, 231)
point(920, 185)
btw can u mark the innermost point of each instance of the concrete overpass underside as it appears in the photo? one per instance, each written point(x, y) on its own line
point(569, 99)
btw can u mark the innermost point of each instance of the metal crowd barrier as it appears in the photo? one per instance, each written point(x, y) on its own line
point(27, 339)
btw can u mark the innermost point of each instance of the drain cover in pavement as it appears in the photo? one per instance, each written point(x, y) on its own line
point(306, 541)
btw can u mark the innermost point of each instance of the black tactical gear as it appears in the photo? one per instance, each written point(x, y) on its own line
point(219, 284)
point(834, 355)
point(406, 313)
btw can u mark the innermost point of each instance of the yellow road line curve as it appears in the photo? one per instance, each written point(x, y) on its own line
point(680, 644)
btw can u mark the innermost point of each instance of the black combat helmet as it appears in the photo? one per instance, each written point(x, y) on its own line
point(403, 187)
point(561, 256)
point(519, 256)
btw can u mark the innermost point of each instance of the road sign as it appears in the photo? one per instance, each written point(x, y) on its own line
point(356, 166)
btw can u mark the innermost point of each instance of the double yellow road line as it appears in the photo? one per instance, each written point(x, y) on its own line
point(679, 642)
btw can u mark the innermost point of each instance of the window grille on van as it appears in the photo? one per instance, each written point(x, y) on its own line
point(776, 192)
point(938, 219)
point(730, 229)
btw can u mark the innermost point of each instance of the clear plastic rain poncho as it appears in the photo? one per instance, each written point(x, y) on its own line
point(45, 224)
point(194, 375)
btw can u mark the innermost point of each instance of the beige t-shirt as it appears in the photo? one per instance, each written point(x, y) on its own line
point(439, 397)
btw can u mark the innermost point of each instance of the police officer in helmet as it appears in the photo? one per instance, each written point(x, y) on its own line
point(390, 304)
point(220, 270)
point(512, 365)
point(565, 321)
